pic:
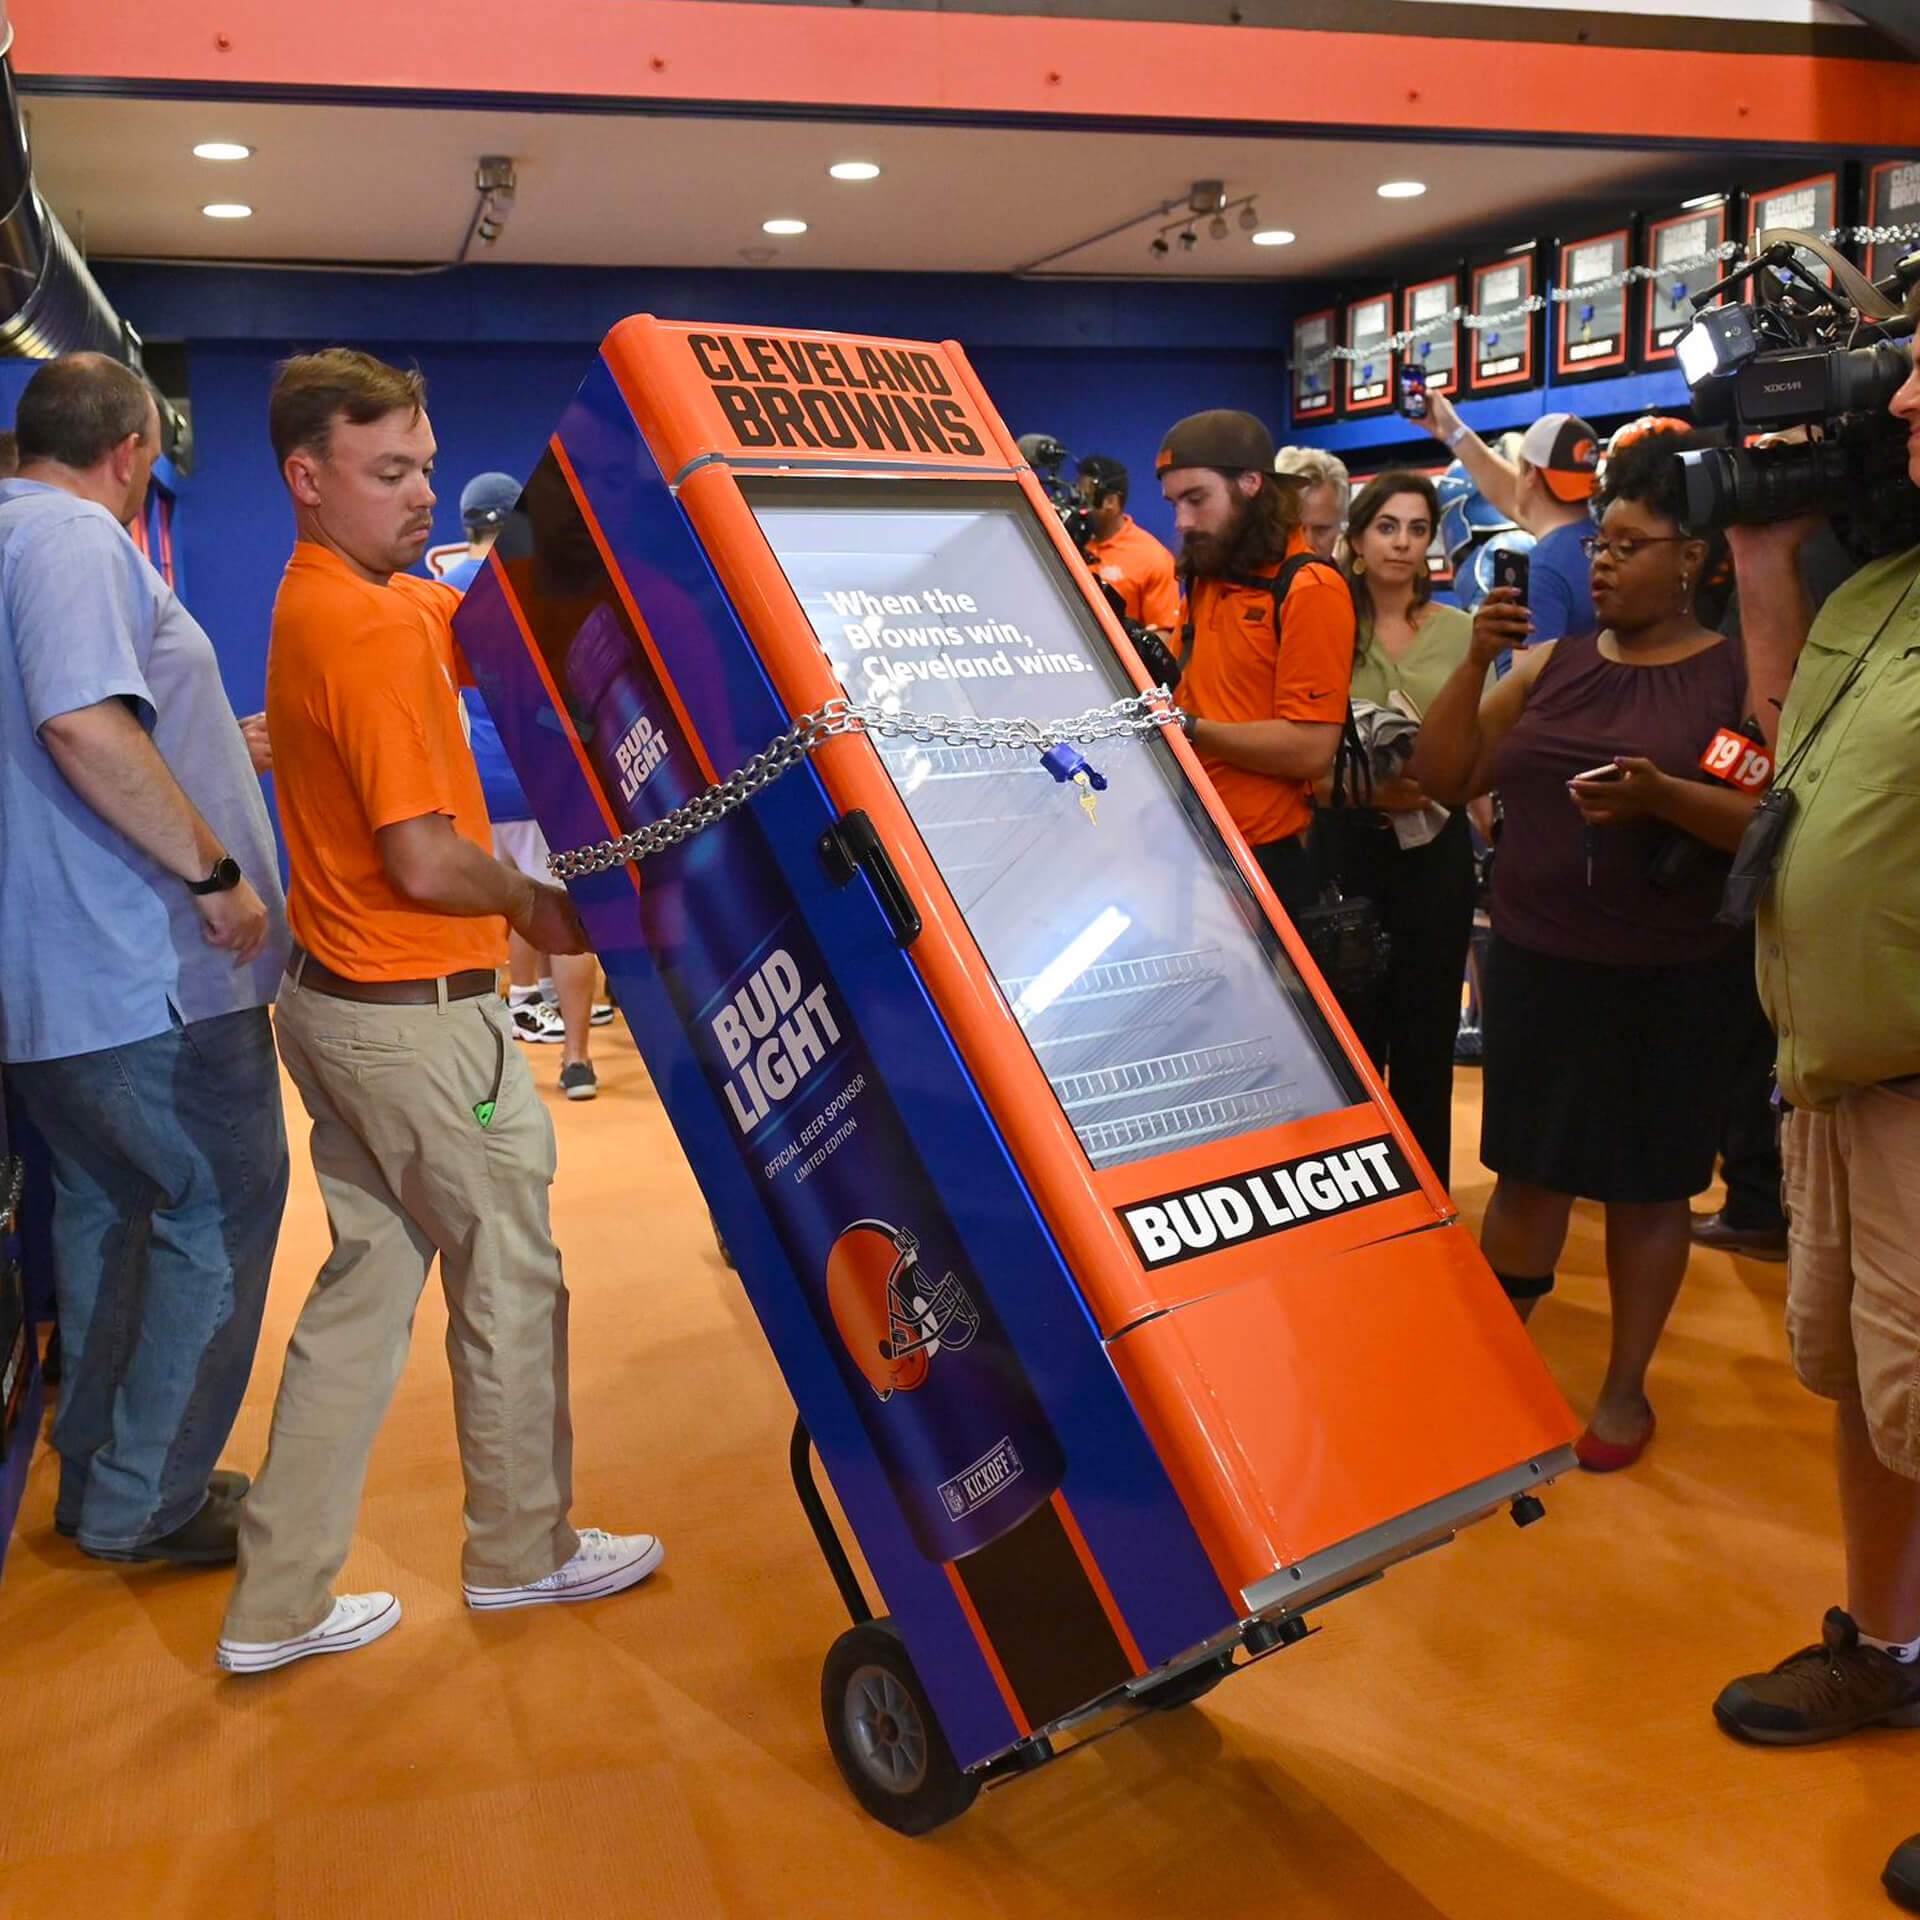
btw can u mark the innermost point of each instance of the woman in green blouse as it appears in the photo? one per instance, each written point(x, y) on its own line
point(1408, 645)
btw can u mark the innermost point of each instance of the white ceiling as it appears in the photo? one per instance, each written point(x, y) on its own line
point(395, 184)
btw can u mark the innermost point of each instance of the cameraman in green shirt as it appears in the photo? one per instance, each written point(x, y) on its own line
point(1839, 965)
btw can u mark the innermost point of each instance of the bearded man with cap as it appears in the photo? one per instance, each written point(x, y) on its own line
point(1267, 639)
point(1549, 491)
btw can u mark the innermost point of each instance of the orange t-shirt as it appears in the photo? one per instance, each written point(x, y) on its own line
point(1238, 668)
point(366, 733)
point(1140, 570)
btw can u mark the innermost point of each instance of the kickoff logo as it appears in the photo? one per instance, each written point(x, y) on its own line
point(1182, 1226)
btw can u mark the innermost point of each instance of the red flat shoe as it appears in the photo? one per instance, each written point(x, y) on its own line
point(1610, 1456)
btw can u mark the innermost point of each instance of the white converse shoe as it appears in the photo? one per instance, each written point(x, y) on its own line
point(357, 1620)
point(605, 1563)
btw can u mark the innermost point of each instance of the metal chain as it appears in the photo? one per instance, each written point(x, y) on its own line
point(14, 1185)
point(1563, 296)
point(1140, 714)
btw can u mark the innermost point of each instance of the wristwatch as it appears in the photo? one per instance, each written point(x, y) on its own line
point(223, 879)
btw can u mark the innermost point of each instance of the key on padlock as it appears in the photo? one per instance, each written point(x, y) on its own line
point(1088, 802)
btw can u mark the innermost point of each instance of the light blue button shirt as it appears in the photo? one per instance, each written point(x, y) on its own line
point(100, 946)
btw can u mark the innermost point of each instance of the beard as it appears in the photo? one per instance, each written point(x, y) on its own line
point(1208, 555)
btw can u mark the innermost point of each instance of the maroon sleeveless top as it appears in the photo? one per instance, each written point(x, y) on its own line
point(1582, 711)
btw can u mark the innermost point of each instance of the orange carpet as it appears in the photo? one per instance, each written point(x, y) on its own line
point(1515, 1726)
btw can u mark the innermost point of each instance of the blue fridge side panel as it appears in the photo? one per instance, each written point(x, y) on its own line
point(1134, 1525)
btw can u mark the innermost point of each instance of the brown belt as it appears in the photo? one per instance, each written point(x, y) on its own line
point(308, 974)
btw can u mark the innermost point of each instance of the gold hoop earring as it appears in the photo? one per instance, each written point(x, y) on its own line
point(1359, 563)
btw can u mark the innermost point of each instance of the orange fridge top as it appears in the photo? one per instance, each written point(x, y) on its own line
point(757, 394)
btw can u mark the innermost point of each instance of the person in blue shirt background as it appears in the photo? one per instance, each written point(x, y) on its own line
point(1547, 490)
point(551, 999)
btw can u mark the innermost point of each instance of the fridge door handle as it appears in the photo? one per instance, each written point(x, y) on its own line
point(853, 845)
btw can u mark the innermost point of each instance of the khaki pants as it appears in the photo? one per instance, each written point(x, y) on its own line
point(1853, 1278)
point(407, 1170)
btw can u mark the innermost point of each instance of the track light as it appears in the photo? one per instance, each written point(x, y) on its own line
point(1249, 218)
point(1159, 245)
point(1217, 227)
point(1189, 239)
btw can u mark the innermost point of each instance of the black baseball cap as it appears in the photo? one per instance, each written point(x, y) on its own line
point(1233, 441)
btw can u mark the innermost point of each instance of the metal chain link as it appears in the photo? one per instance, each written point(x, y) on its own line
point(11, 1188)
point(1139, 714)
point(1563, 296)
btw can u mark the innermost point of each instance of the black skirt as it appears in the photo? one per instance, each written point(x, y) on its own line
point(1609, 1082)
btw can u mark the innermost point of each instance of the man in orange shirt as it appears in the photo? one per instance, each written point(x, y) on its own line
point(428, 1136)
point(1268, 639)
point(1123, 554)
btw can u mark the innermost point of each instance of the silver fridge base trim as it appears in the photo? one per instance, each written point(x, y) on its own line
point(1307, 1582)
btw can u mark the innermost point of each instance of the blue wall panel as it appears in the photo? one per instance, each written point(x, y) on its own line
point(1106, 367)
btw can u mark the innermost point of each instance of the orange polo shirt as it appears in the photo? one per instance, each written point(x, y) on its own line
point(366, 732)
point(1238, 668)
point(1140, 570)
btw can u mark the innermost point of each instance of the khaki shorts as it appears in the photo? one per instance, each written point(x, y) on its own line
point(522, 845)
point(1853, 1285)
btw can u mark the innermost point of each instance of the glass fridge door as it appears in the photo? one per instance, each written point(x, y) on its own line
point(1133, 955)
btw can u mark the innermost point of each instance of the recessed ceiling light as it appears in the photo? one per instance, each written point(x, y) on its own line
point(854, 170)
point(1401, 189)
point(1273, 237)
point(783, 228)
point(227, 210)
point(222, 150)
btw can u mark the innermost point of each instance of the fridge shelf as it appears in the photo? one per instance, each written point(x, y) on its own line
point(1109, 1143)
point(1237, 1067)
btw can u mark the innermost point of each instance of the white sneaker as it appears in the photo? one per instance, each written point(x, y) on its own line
point(605, 1563)
point(357, 1620)
point(538, 1023)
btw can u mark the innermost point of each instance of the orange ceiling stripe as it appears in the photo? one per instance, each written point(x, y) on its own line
point(682, 52)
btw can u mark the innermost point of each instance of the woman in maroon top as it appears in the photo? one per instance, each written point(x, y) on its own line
point(1611, 994)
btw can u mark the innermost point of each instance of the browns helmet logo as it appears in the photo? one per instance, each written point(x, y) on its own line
point(892, 1318)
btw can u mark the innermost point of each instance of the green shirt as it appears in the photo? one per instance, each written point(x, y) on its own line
point(1839, 928)
point(1440, 643)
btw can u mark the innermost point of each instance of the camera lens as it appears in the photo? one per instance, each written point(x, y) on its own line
point(1866, 378)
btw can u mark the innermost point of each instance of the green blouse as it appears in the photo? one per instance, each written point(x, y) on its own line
point(1440, 643)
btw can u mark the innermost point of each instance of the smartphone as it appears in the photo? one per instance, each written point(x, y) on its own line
point(1413, 392)
point(1512, 569)
point(1608, 772)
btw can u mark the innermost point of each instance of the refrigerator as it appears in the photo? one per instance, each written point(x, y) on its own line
point(1125, 1318)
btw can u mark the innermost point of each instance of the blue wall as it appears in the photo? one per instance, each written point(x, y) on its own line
point(1105, 367)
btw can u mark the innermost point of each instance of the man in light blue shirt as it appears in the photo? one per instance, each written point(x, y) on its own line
point(142, 935)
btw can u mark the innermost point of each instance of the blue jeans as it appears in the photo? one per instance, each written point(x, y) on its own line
point(169, 1178)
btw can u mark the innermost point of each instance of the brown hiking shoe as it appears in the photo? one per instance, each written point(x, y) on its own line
point(1822, 1691)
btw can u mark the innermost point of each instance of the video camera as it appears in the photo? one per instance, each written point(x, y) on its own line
point(1046, 456)
point(1818, 364)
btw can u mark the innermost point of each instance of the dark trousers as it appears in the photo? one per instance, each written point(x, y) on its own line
point(1424, 897)
point(1750, 1132)
point(1293, 872)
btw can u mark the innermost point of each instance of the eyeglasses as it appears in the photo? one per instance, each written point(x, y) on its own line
point(1621, 551)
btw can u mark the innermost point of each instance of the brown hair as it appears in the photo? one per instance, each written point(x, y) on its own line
point(1365, 510)
point(77, 409)
point(313, 390)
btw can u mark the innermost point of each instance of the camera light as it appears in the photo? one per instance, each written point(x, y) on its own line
point(1699, 358)
point(1717, 342)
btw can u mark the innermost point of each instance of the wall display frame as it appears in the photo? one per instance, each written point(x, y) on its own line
point(1507, 353)
point(1313, 364)
point(1813, 204)
point(1591, 332)
point(1680, 248)
point(1437, 355)
point(1366, 383)
point(1893, 200)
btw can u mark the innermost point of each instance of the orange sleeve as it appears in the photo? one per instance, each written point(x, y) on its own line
point(438, 603)
point(1160, 597)
point(1314, 663)
point(393, 717)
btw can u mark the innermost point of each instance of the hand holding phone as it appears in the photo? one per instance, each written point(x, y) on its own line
point(1608, 772)
point(1512, 569)
point(1413, 392)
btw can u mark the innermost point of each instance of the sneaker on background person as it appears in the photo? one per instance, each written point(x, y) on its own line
point(1841, 1683)
point(356, 1620)
point(603, 1564)
point(533, 1020)
point(578, 1081)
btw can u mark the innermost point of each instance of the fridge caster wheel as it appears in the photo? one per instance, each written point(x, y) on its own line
point(885, 1740)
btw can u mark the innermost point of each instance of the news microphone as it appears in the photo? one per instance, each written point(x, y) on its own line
point(1737, 759)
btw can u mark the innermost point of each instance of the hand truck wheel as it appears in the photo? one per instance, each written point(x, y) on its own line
point(885, 1739)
